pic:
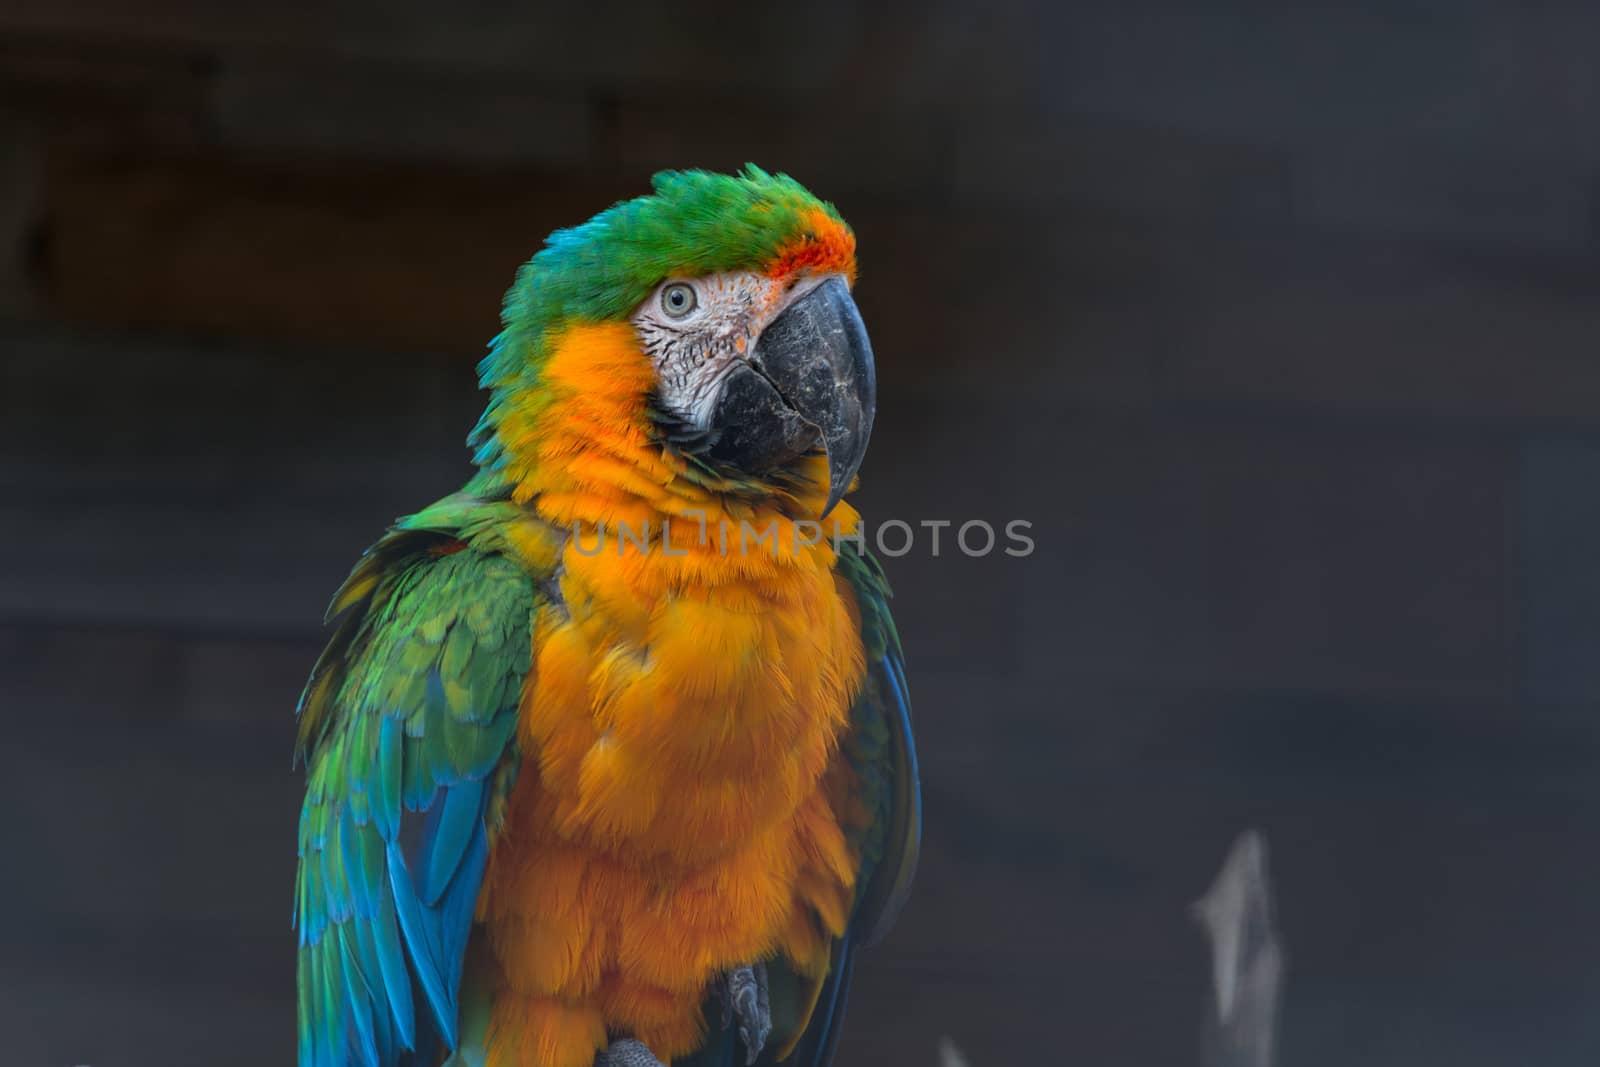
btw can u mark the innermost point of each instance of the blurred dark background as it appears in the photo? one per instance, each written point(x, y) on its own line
point(1281, 323)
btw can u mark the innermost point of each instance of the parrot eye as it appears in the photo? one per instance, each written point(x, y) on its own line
point(678, 299)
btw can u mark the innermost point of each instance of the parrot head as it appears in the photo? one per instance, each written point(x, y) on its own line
point(732, 293)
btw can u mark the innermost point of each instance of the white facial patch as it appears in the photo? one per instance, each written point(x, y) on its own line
point(695, 330)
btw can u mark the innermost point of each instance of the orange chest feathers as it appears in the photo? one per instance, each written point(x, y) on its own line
point(677, 714)
point(679, 804)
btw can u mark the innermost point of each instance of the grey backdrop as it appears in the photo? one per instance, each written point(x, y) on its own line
point(1279, 322)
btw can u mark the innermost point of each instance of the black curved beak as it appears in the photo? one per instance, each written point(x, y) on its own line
point(810, 380)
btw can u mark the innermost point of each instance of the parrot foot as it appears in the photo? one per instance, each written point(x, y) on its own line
point(626, 1052)
point(745, 997)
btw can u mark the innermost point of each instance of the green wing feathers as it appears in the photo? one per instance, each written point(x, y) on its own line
point(407, 729)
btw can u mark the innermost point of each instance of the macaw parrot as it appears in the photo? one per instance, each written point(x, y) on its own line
point(609, 756)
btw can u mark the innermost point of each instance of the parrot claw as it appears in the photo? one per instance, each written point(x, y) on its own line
point(745, 997)
point(626, 1052)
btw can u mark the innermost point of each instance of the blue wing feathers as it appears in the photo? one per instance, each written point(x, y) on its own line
point(392, 966)
point(461, 901)
point(359, 996)
point(460, 818)
point(422, 940)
